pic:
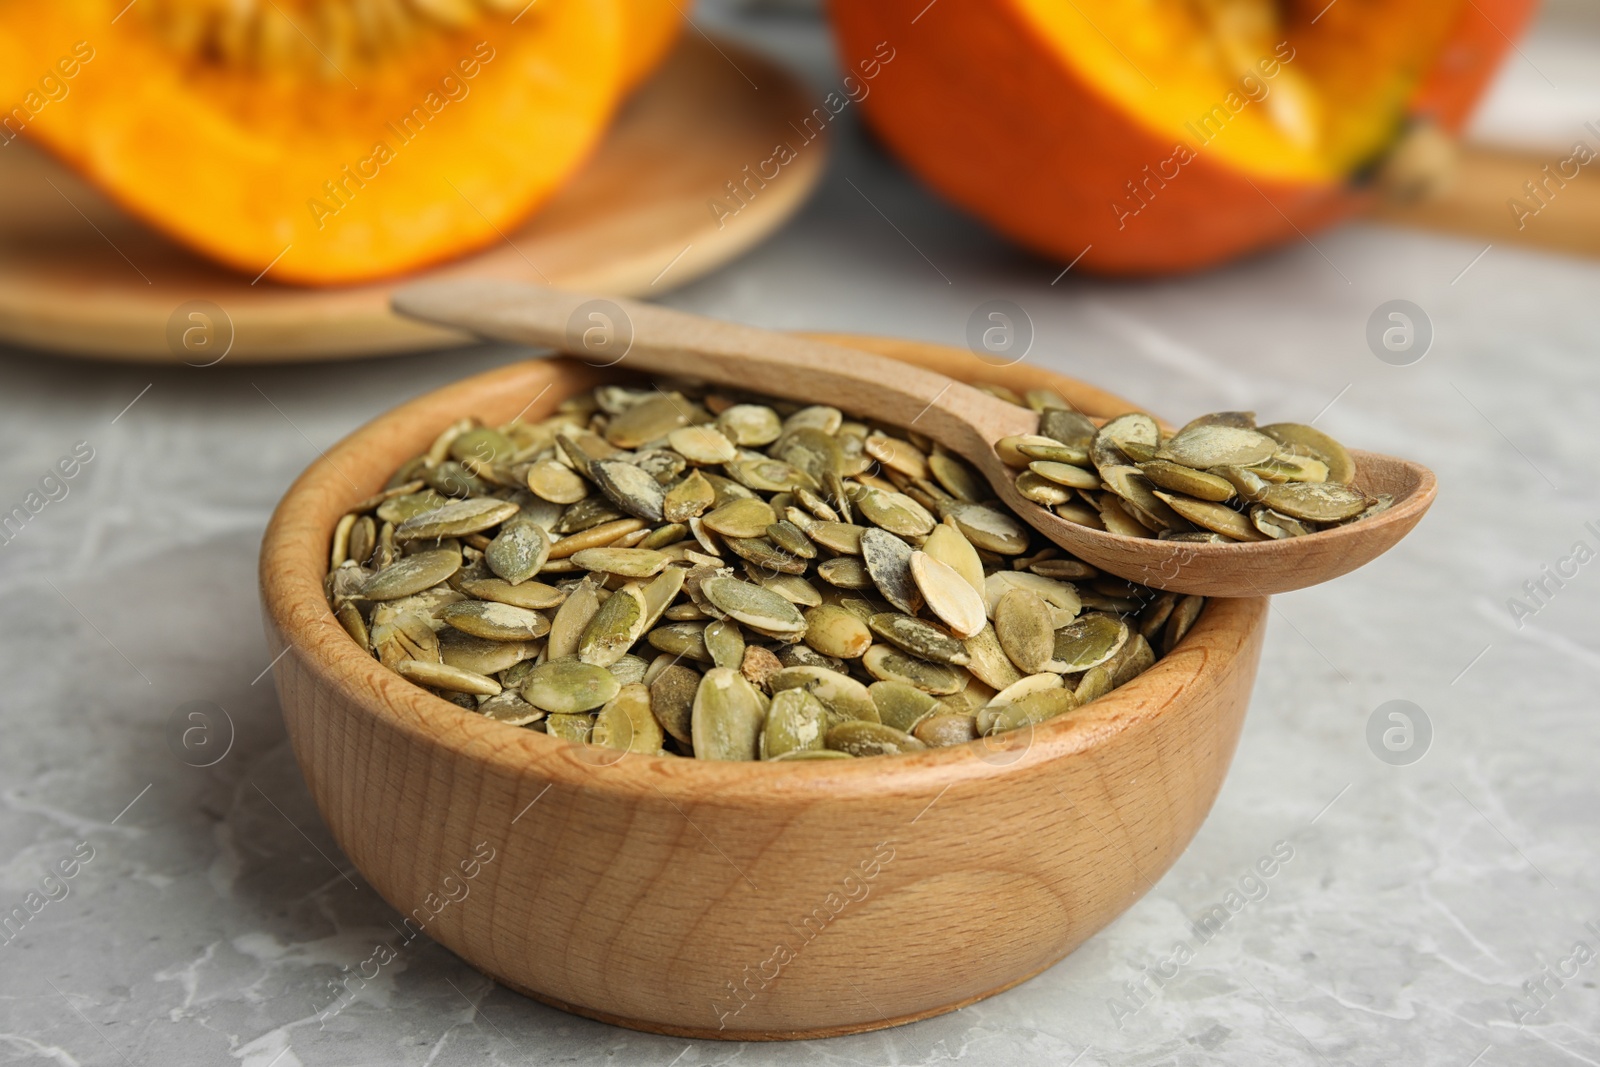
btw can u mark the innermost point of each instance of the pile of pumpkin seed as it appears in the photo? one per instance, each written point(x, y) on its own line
point(1219, 479)
point(680, 570)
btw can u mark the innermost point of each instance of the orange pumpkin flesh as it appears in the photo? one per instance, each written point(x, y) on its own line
point(1167, 135)
point(334, 140)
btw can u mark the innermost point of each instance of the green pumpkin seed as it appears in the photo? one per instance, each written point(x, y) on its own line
point(482, 656)
point(888, 561)
point(1067, 426)
point(724, 642)
point(1065, 474)
point(833, 631)
point(702, 444)
point(534, 596)
point(1022, 625)
point(625, 723)
point(509, 707)
point(399, 509)
point(630, 488)
point(895, 512)
point(1315, 502)
point(1088, 642)
point(1042, 490)
point(1133, 659)
point(649, 420)
point(445, 676)
point(1108, 449)
point(412, 574)
point(1216, 445)
point(766, 558)
point(1183, 617)
point(556, 483)
point(840, 537)
point(495, 622)
point(727, 718)
point(946, 729)
point(750, 425)
point(741, 518)
point(1029, 710)
point(688, 499)
point(958, 479)
point(685, 640)
point(628, 562)
point(1180, 479)
point(902, 706)
point(887, 663)
point(1095, 683)
point(989, 529)
point(988, 662)
point(758, 608)
point(618, 623)
point(574, 728)
point(846, 572)
point(838, 693)
point(518, 551)
point(918, 638)
point(796, 721)
point(871, 739)
point(672, 693)
point(1010, 450)
point(770, 475)
point(1218, 518)
point(1308, 440)
point(1277, 525)
point(567, 686)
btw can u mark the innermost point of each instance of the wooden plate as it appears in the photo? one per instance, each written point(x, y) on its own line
point(79, 276)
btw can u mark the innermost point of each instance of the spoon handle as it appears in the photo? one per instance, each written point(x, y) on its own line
point(643, 337)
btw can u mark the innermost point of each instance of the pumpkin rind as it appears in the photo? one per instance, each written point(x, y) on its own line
point(985, 107)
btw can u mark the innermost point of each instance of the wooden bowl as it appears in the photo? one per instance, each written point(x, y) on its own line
point(736, 900)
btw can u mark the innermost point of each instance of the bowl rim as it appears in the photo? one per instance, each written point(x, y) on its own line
point(293, 563)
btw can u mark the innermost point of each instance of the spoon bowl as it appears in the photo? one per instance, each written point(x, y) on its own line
point(814, 369)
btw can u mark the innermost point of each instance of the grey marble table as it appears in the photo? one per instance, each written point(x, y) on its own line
point(1431, 911)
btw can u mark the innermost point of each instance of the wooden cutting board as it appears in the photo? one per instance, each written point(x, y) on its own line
point(79, 276)
point(1565, 217)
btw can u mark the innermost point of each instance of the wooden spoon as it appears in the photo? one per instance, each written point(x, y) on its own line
point(658, 340)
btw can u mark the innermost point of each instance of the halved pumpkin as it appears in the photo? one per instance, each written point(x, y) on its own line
point(332, 140)
point(1165, 135)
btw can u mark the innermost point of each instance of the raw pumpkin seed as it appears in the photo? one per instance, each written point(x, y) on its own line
point(833, 631)
point(796, 721)
point(625, 722)
point(918, 637)
point(495, 622)
point(871, 739)
point(412, 574)
point(728, 717)
point(445, 676)
point(629, 573)
point(1198, 485)
point(1022, 626)
point(567, 686)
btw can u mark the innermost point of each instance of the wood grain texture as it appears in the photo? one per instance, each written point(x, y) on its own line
point(663, 340)
point(101, 284)
point(737, 901)
point(1566, 216)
